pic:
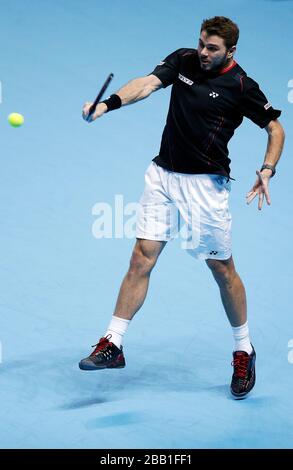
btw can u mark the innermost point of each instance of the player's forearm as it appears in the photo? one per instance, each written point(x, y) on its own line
point(276, 138)
point(135, 90)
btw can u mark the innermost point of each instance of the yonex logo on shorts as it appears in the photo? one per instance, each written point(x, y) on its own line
point(214, 94)
point(161, 63)
point(213, 252)
point(184, 79)
point(267, 106)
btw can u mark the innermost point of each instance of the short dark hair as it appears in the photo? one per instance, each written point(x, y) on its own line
point(223, 27)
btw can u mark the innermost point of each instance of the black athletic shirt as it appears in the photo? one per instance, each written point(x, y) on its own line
point(205, 109)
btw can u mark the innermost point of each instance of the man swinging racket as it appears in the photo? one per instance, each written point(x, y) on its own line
point(211, 94)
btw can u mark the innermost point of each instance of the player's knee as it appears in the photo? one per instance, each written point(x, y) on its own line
point(223, 271)
point(141, 264)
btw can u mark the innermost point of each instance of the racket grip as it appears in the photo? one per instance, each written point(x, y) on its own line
point(91, 110)
point(99, 97)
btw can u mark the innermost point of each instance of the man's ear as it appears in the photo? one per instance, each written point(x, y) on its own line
point(232, 50)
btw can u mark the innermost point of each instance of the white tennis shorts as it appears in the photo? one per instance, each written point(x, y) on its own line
point(193, 208)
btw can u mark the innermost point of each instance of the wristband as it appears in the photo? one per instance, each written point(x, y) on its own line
point(266, 166)
point(114, 102)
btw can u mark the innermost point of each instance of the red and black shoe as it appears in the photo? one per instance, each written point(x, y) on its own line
point(105, 356)
point(243, 379)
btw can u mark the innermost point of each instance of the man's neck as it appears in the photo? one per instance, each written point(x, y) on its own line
point(227, 66)
point(223, 69)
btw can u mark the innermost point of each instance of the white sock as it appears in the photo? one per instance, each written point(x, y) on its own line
point(116, 329)
point(241, 338)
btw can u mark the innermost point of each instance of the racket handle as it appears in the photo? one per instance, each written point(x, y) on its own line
point(101, 92)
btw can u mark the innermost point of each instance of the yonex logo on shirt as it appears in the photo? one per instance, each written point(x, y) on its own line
point(185, 80)
point(267, 106)
point(161, 63)
point(214, 94)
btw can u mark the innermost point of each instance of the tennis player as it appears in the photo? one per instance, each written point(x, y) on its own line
point(211, 94)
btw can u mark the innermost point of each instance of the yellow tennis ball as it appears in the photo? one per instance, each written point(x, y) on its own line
point(15, 119)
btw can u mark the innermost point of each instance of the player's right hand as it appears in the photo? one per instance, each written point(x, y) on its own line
point(101, 108)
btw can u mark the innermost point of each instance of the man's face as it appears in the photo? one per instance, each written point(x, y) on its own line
point(212, 52)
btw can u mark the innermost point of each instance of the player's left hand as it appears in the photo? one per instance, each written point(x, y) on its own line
point(260, 188)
